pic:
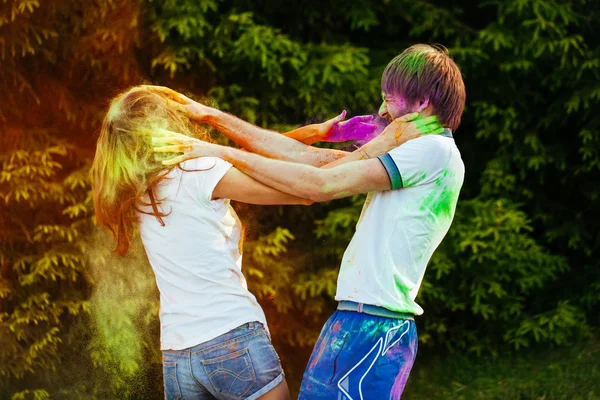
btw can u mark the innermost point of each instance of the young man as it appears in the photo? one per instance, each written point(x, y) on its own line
point(367, 348)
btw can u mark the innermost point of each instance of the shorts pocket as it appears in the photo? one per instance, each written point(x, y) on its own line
point(172, 391)
point(231, 375)
point(338, 352)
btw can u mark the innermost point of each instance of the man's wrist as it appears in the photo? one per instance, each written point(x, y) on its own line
point(217, 151)
point(224, 153)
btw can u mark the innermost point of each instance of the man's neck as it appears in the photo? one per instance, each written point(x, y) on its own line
point(447, 133)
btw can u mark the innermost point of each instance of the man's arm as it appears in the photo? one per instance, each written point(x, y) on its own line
point(272, 144)
point(299, 180)
point(238, 186)
point(353, 174)
point(333, 130)
point(306, 181)
point(350, 175)
point(291, 146)
point(396, 133)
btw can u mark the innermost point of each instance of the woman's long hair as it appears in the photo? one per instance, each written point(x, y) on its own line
point(125, 166)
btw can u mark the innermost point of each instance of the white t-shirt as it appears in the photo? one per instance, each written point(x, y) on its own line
point(196, 257)
point(399, 230)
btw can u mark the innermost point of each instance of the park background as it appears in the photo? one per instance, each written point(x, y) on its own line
point(511, 296)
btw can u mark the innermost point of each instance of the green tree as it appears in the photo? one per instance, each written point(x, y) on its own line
point(60, 62)
point(518, 267)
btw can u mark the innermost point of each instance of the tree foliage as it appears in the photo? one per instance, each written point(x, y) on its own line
point(518, 267)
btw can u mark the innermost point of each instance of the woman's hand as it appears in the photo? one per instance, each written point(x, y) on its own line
point(165, 141)
point(405, 128)
point(338, 130)
point(195, 111)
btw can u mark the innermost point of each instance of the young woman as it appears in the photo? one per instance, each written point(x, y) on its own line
point(214, 334)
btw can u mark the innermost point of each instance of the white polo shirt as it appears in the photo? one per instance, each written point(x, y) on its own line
point(399, 230)
point(196, 257)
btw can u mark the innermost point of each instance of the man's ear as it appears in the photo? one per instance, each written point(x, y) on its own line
point(423, 105)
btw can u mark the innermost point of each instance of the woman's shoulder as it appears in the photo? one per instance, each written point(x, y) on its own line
point(202, 164)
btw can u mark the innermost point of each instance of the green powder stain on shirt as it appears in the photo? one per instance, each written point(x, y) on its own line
point(403, 289)
point(441, 201)
point(438, 204)
point(414, 180)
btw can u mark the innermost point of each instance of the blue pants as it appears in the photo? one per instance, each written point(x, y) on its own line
point(360, 357)
point(240, 364)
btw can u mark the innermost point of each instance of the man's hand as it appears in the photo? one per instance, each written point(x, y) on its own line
point(195, 111)
point(165, 141)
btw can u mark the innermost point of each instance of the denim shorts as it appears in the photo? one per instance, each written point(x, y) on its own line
point(240, 364)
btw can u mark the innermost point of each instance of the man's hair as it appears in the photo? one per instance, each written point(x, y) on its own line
point(424, 72)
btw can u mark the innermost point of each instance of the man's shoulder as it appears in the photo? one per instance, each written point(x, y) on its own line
point(427, 141)
point(429, 148)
